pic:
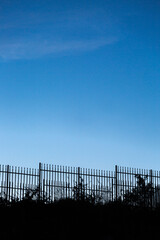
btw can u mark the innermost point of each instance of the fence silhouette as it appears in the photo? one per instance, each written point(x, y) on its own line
point(53, 182)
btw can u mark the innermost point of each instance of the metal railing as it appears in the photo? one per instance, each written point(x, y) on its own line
point(138, 185)
point(59, 182)
point(15, 181)
point(53, 182)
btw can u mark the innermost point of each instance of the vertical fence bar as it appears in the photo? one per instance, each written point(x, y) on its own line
point(150, 174)
point(71, 183)
point(7, 182)
point(79, 182)
point(52, 185)
point(39, 183)
point(116, 183)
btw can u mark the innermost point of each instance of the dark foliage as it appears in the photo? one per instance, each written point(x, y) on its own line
point(82, 218)
point(71, 219)
point(80, 192)
point(142, 195)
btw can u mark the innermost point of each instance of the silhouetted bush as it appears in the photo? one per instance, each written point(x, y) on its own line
point(80, 193)
point(71, 219)
point(142, 195)
point(82, 218)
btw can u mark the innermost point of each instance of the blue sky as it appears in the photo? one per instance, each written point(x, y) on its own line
point(80, 83)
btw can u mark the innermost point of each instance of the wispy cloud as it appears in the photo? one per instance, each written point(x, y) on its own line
point(27, 33)
point(28, 50)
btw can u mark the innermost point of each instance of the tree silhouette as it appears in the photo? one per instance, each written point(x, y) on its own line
point(80, 190)
point(82, 193)
point(141, 195)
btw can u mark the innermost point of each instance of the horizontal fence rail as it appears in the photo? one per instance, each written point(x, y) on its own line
point(51, 183)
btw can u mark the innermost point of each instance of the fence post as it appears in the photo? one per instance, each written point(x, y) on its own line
point(150, 174)
point(7, 182)
point(116, 192)
point(79, 182)
point(39, 181)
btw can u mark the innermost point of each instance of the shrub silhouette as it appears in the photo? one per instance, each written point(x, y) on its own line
point(78, 219)
point(33, 195)
point(3, 199)
point(81, 193)
point(82, 218)
point(142, 195)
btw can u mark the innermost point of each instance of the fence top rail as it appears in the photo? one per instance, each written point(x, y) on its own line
point(78, 170)
point(103, 175)
point(59, 168)
point(133, 171)
point(16, 168)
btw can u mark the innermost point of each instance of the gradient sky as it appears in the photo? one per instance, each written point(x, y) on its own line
point(80, 83)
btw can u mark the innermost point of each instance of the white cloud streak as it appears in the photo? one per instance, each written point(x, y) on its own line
point(31, 34)
point(34, 49)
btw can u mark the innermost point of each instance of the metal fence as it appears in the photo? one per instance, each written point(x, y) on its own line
point(59, 182)
point(50, 183)
point(16, 181)
point(139, 186)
